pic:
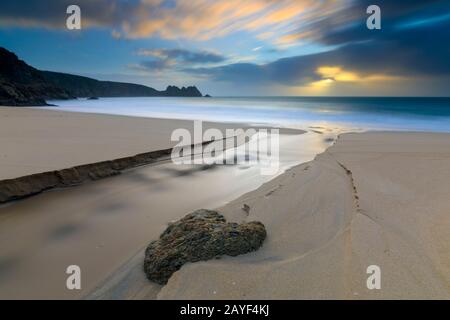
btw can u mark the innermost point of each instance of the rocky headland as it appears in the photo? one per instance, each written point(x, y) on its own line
point(24, 85)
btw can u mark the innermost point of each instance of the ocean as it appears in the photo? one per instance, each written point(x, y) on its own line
point(348, 113)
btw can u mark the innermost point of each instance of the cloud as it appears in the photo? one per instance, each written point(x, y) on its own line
point(236, 73)
point(183, 55)
point(359, 55)
point(151, 65)
point(52, 14)
point(382, 60)
point(281, 22)
point(348, 24)
point(162, 59)
point(207, 19)
point(193, 19)
point(414, 42)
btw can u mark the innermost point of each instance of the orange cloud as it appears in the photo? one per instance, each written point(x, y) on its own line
point(188, 19)
point(206, 19)
point(293, 38)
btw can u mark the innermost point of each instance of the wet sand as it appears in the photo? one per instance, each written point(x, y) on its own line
point(371, 199)
point(102, 225)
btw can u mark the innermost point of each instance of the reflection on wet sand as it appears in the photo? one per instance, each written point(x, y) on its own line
point(101, 225)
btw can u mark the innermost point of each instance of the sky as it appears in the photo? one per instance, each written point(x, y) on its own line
point(241, 47)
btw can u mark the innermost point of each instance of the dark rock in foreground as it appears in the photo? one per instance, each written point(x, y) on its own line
point(199, 236)
point(26, 186)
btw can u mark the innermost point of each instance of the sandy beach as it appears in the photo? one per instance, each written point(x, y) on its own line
point(369, 199)
point(245, 151)
point(80, 224)
point(39, 140)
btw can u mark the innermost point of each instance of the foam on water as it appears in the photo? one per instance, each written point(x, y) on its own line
point(418, 114)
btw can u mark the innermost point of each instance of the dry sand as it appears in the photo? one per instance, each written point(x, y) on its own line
point(371, 199)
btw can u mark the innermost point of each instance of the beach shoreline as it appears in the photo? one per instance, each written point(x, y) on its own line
point(82, 222)
point(360, 202)
point(35, 140)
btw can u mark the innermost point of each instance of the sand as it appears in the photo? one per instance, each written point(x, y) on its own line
point(40, 140)
point(100, 226)
point(371, 199)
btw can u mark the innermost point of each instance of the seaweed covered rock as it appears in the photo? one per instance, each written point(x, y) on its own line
point(201, 235)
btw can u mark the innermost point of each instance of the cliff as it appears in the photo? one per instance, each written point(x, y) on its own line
point(87, 87)
point(23, 85)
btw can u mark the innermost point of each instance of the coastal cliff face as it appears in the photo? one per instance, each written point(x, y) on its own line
point(87, 87)
point(23, 85)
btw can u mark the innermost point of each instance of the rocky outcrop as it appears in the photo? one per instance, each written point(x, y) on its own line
point(26, 186)
point(173, 91)
point(23, 85)
point(201, 235)
point(22, 187)
point(86, 87)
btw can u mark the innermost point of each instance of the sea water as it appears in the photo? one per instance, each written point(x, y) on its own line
point(373, 113)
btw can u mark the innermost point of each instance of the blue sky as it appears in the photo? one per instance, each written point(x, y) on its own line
point(231, 47)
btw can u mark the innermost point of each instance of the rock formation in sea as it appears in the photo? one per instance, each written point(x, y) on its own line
point(199, 236)
point(173, 91)
point(23, 85)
